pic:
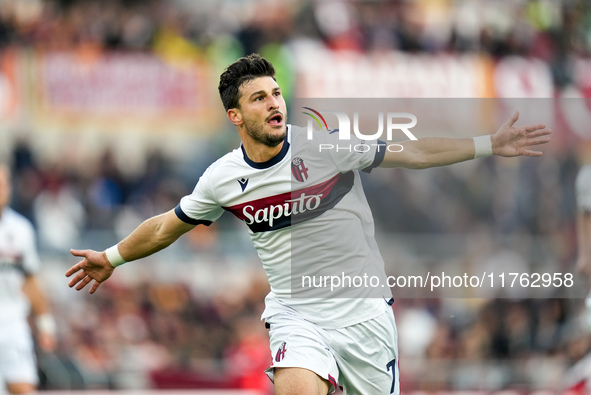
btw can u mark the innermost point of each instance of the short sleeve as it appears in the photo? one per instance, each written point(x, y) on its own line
point(201, 206)
point(355, 153)
point(583, 188)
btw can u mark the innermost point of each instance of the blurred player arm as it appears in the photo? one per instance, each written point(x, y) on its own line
point(44, 321)
point(508, 141)
point(151, 236)
point(583, 197)
point(584, 241)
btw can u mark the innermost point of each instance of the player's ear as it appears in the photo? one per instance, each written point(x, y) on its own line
point(235, 116)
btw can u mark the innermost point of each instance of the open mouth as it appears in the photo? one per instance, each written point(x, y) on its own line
point(275, 119)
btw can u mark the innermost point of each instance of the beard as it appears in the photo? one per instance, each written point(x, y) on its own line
point(257, 132)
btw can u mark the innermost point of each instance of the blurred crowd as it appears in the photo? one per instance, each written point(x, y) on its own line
point(497, 27)
point(148, 332)
point(550, 30)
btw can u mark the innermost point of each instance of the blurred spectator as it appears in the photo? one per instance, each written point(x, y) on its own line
point(58, 212)
point(20, 294)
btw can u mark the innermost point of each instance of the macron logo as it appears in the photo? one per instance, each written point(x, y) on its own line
point(243, 183)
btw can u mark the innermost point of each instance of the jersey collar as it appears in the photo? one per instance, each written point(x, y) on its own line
point(274, 160)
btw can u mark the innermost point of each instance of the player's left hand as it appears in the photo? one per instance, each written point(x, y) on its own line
point(512, 140)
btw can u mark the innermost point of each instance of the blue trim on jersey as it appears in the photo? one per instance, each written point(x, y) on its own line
point(273, 161)
point(185, 218)
point(379, 158)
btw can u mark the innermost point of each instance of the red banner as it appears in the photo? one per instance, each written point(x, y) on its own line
point(123, 86)
point(9, 97)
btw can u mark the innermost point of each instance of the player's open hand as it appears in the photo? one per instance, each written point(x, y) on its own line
point(512, 140)
point(95, 266)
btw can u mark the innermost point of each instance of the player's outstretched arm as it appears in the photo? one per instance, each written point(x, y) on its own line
point(583, 194)
point(44, 321)
point(508, 141)
point(151, 236)
point(584, 242)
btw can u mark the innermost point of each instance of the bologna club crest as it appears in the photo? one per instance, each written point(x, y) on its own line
point(281, 352)
point(299, 169)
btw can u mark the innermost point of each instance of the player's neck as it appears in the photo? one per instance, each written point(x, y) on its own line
point(260, 153)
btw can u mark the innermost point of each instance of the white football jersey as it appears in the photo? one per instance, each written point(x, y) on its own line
point(18, 258)
point(583, 188)
point(309, 221)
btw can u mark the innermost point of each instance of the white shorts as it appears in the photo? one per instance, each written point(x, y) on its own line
point(361, 359)
point(17, 355)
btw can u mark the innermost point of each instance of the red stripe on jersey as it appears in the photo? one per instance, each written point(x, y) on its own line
point(323, 189)
point(283, 210)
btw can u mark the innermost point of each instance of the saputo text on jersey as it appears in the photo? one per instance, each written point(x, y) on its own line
point(289, 207)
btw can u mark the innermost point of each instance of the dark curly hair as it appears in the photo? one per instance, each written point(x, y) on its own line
point(243, 70)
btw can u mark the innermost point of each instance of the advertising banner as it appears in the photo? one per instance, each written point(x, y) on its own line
point(124, 86)
point(9, 93)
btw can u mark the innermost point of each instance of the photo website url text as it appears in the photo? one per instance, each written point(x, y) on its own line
point(442, 280)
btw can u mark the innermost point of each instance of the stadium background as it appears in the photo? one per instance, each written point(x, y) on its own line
point(109, 112)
